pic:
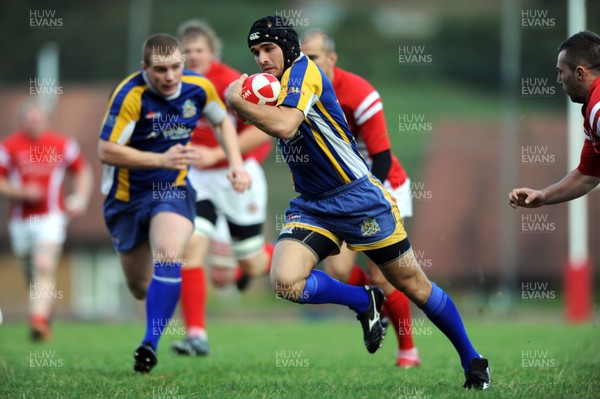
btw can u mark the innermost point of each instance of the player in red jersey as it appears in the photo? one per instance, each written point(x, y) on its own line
point(33, 164)
point(233, 221)
point(363, 109)
point(578, 67)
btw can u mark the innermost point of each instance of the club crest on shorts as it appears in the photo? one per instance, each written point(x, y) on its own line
point(369, 226)
point(189, 109)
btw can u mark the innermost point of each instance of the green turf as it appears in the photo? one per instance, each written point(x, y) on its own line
point(94, 361)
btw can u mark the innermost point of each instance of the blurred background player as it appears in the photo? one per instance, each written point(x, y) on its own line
point(363, 109)
point(33, 164)
point(578, 68)
point(221, 213)
point(149, 206)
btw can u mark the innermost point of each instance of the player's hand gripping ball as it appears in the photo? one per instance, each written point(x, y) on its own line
point(261, 88)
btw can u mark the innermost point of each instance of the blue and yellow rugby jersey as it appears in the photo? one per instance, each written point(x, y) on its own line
point(322, 156)
point(142, 119)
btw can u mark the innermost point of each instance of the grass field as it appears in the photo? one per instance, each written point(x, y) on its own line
point(298, 359)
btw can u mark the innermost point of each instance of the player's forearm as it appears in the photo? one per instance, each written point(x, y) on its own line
point(127, 157)
point(83, 184)
point(248, 139)
point(275, 121)
point(573, 185)
point(251, 137)
point(227, 137)
point(10, 191)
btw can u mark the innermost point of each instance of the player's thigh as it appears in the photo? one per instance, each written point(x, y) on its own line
point(340, 266)
point(204, 228)
point(220, 253)
point(299, 250)
point(292, 262)
point(246, 214)
point(169, 234)
point(205, 218)
point(220, 257)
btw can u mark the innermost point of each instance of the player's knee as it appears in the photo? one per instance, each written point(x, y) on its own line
point(290, 290)
point(167, 251)
point(287, 286)
point(418, 290)
point(137, 290)
point(45, 264)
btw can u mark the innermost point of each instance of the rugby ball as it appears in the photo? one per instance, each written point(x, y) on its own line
point(261, 88)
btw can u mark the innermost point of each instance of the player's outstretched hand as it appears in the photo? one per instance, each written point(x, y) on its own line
point(239, 178)
point(178, 157)
point(234, 90)
point(526, 198)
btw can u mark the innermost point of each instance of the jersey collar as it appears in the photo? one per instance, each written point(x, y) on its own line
point(171, 97)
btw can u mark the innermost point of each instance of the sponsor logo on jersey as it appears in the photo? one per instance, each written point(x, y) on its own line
point(189, 109)
point(153, 115)
point(177, 133)
point(369, 226)
point(153, 135)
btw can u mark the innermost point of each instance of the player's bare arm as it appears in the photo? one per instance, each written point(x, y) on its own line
point(83, 183)
point(227, 137)
point(177, 157)
point(248, 139)
point(573, 185)
point(281, 122)
point(27, 193)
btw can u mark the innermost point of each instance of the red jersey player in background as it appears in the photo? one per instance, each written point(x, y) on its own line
point(233, 221)
point(33, 163)
point(364, 113)
point(578, 68)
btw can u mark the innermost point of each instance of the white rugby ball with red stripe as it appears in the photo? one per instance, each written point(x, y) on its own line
point(261, 88)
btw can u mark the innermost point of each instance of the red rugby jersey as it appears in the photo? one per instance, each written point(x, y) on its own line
point(42, 162)
point(221, 76)
point(363, 109)
point(589, 163)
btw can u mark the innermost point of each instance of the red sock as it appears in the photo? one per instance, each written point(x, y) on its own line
point(239, 273)
point(193, 297)
point(358, 277)
point(397, 307)
point(269, 249)
point(38, 320)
